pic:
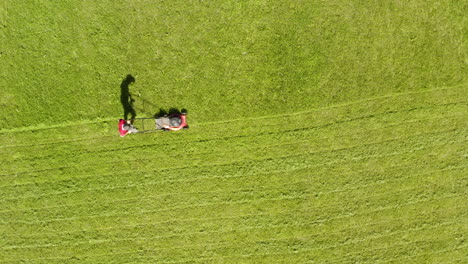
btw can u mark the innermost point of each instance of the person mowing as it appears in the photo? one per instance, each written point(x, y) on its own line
point(172, 122)
point(126, 127)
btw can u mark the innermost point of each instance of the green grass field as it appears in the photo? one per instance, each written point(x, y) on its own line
point(321, 132)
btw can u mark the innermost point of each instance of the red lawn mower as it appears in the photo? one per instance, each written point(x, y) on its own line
point(172, 122)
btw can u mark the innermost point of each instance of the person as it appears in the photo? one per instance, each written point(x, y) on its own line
point(126, 127)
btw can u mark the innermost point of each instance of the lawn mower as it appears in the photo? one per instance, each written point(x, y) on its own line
point(172, 122)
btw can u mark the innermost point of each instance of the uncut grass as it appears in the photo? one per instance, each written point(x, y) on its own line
point(231, 60)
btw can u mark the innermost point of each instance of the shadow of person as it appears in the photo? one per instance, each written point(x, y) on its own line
point(161, 113)
point(126, 98)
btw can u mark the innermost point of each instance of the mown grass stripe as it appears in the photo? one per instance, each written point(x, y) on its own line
point(282, 134)
point(191, 180)
point(355, 241)
point(331, 219)
point(428, 253)
point(255, 160)
point(265, 149)
point(336, 245)
point(19, 173)
point(336, 122)
point(243, 190)
point(247, 201)
point(238, 219)
point(301, 225)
